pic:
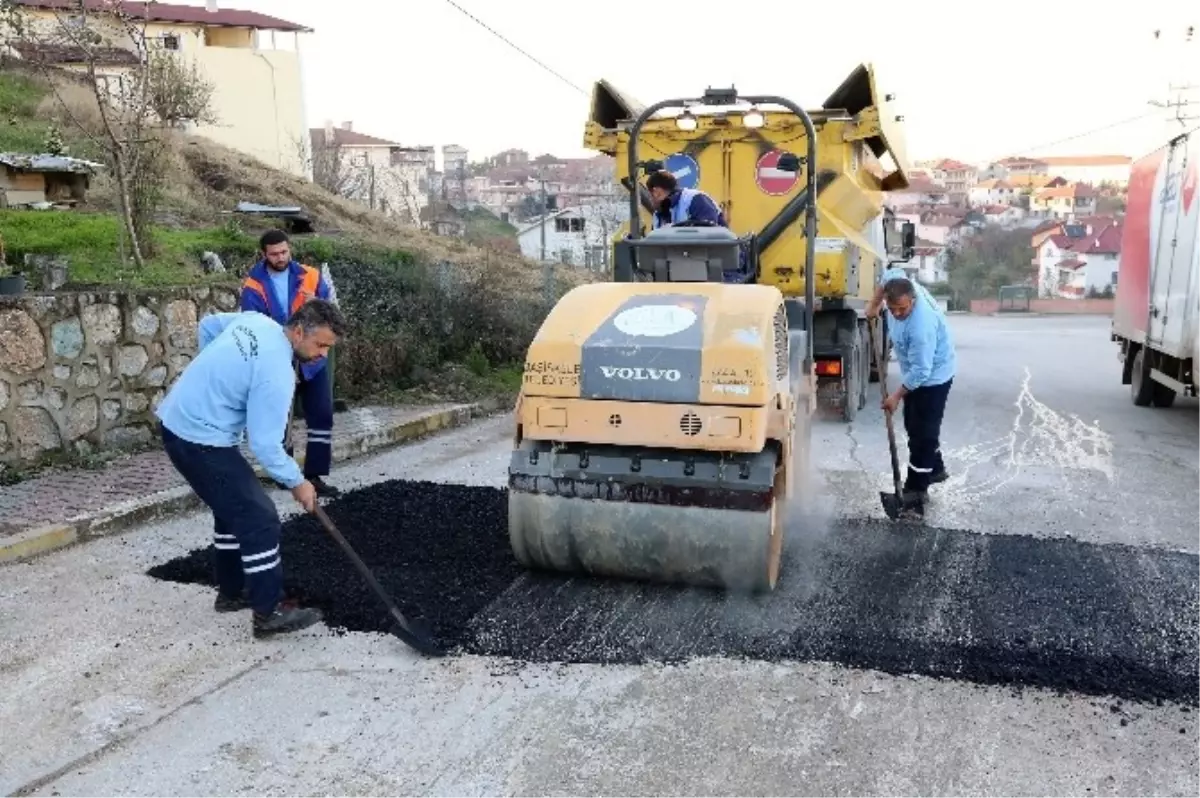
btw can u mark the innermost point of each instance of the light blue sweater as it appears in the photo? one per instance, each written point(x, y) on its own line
point(242, 380)
point(923, 346)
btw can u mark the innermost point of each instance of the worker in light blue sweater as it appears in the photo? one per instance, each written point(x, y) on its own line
point(920, 334)
point(242, 381)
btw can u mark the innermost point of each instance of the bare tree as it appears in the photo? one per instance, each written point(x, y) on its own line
point(150, 93)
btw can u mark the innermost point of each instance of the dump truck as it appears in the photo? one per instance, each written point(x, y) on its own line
point(861, 155)
point(1156, 315)
point(663, 422)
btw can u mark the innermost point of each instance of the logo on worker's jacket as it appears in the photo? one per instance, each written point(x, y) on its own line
point(638, 373)
point(655, 321)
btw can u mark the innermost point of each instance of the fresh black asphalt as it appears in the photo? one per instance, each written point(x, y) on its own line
point(1016, 610)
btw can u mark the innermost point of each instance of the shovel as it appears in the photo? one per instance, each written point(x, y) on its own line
point(893, 503)
point(415, 634)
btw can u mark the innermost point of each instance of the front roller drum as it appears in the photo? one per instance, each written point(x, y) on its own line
point(737, 550)
point(706, 520)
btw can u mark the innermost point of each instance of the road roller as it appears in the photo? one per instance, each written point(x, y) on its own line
point(663, 416)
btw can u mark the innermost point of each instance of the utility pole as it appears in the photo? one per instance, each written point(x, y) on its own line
point(547, 269)
point(1181, 95)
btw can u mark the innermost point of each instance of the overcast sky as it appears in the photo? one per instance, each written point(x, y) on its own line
point(975, 81)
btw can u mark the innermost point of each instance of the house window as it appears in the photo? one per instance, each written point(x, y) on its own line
point(170, 41)
point(568, 225)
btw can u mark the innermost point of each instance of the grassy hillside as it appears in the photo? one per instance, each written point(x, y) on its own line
point(207, 182)
point(441, 317)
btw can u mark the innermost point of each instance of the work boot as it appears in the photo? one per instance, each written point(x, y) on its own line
point(230, 603)
point(284, 619)
point(328, 491)
point(912, 506)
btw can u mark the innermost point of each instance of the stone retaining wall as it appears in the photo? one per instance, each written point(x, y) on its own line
point(84, 371)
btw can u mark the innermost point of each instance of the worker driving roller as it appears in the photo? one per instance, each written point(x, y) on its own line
point(681, 205)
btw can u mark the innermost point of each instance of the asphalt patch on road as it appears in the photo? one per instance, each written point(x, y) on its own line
point(991, 609)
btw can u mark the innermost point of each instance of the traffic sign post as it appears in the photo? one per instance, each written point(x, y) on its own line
point(770, 178)
point(685, 168)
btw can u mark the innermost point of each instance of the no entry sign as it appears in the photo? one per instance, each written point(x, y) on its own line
point(770, 178)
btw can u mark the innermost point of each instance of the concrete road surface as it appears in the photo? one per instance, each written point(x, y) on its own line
point(118, 683)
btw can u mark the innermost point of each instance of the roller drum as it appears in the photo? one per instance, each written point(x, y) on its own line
point(716, 523)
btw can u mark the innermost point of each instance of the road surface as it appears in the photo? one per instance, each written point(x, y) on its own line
point(1070, 520)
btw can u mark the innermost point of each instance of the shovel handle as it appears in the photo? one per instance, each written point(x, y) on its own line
point(881, 369)
point(319, 512)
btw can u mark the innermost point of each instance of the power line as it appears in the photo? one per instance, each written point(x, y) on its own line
point(1085, 134)
point(501, 37)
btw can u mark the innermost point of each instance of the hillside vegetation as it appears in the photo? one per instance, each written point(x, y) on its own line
point(422, 306)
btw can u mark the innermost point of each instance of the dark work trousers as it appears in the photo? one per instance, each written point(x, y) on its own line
point(923, 410)
point(316, 397)
point(245, 522)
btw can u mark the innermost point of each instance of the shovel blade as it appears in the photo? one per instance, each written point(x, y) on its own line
point(892, 505)
point(899, 509)
point(417, 635)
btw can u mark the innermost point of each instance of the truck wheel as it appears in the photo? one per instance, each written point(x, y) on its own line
point(1141, 387)
point(1162, 396)
point(864, 346)
point(880, 332)
point(852, 379)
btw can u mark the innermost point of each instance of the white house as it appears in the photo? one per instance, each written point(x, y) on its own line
point(576, 236)
point(928, 264)
point(1003, 215)
point(994, 192)
point(1073, 265)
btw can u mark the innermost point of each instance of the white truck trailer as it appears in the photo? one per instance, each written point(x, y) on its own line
point(1156, 318)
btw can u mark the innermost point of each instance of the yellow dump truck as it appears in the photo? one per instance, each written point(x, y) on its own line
point(662, 428)
point(746, 160)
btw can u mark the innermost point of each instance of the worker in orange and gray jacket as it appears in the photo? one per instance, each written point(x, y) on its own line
point(277, 286)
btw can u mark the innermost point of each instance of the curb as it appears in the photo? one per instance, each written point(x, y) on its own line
point(118, 518)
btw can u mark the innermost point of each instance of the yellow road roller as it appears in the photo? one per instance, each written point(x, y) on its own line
point(662, 427)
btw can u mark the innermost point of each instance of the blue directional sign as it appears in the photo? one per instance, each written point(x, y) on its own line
point(685, 169)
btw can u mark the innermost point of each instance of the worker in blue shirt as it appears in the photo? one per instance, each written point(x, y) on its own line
point(676, 205)
point(277, 286)
point(242, 381)
point(925, 350)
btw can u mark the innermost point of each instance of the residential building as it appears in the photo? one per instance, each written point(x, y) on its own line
point(381, 174)
point(252, 61)
point(928, 263)
point(576, 236)
point(455, 173)
point(1014, 166)
point(955, 175)
point(1002, 215)
point(1093, 169)
point(941, 228)
point(1064, 202)
point(995, 191)
point(1078, 257)
point(514, 192)
point(919, 192)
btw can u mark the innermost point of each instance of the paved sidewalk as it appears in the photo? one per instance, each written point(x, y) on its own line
point(61, 508)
